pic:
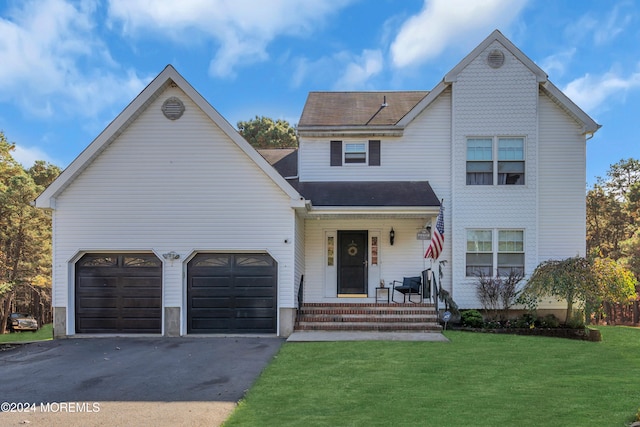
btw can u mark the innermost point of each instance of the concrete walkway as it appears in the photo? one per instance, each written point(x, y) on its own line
point(309, 336)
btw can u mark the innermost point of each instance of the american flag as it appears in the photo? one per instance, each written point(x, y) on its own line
point(437, 239)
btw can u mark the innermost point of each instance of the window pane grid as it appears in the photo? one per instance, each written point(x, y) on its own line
point(479, 149)
point(355, 153)
point(354, 148)
point(510, 149)
point(479, 241)
point(510, 241)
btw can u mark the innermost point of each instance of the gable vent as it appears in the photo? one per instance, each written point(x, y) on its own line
point(495, 59)
point(173, 108)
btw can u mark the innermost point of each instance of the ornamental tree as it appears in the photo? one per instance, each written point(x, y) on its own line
point(580, 280)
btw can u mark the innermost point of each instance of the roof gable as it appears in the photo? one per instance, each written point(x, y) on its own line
point(496, 35)
point(588, 124)
point(169, 76)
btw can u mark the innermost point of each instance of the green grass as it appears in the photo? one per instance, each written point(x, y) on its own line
point(42, 334)
point(476, 379)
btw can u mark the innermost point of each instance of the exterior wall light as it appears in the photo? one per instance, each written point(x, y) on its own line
point(392, 236)
point(170, 256)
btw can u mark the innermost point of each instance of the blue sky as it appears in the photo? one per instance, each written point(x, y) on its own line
point(67, 68)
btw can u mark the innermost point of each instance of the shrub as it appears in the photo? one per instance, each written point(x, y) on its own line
point(576, 321)
point(549, 321)
point(525, 321)
point(472, 318)
point(498, 294)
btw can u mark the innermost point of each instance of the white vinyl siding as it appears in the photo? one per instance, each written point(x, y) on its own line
point(562, 184)
point(180, 186)
point(493, 103)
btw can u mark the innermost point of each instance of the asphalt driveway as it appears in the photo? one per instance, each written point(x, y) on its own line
point(134, 371)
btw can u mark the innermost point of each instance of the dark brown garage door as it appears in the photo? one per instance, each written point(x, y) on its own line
point(118, 293)
point(231, 293)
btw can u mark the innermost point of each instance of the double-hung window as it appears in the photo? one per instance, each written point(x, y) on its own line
point(355, 153)
point(510, 161)
point(479, 253)
point(480, 161)
point(495, 160)
point(482, 255)
point(510, 252)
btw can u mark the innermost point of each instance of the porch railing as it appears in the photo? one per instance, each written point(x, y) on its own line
point(300, 296)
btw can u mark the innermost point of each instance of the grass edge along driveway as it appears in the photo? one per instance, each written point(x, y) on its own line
point(476, 379)
point(45, 333)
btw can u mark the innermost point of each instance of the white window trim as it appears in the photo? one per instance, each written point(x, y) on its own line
point(494, 159)
point(495, 247)
point(344, 154)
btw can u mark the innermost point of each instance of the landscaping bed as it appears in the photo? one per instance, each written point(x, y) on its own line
point(586, 334)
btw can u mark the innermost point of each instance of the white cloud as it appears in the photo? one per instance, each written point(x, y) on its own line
point(341, 71)
point(27, 156)
point(442, 23)
point(556, 64)
point(242, 28)
point(591, 92)
point(52, 63)
point(604, 29)
point(360, 70)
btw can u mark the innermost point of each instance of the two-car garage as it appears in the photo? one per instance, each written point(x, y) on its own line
point(226, 293)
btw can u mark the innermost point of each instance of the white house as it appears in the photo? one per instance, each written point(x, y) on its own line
point(171, 223)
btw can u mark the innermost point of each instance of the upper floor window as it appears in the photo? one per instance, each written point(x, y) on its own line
point(479, 161)
point(365, 153)
point(499, 160)
point(355, 153)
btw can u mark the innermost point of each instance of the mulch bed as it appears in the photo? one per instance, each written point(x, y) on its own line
point(586, 334)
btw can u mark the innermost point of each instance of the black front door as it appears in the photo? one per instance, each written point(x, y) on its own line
point(352, 262)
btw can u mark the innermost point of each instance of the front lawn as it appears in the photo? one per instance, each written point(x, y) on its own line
point(42, 334)
point(476, 379)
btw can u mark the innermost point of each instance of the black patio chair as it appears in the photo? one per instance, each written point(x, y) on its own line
point(408, 286)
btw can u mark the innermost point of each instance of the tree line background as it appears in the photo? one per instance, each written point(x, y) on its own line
point(25, 238)
point(613, 229)
point(613, 220)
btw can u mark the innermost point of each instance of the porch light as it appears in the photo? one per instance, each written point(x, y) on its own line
point(392, 236)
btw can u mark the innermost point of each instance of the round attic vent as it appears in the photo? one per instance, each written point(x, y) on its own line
point(173, 108)
point(495, 58)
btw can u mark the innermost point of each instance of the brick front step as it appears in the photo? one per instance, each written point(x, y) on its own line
point(380, 327)
point(367, 317)
point(413, 318)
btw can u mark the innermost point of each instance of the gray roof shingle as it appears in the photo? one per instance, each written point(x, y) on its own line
point(369, 193)
point(358, 108)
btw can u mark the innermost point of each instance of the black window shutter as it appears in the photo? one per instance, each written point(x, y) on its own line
point(374, 153)
point(336, 153)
